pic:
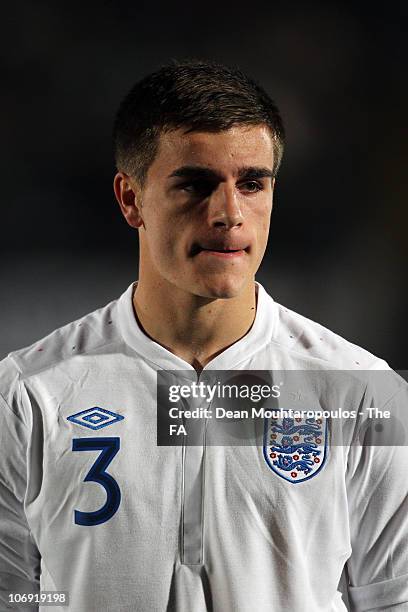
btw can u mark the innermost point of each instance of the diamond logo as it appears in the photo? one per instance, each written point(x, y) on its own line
point(95, 418)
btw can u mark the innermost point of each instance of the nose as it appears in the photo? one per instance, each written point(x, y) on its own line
point(224, 209)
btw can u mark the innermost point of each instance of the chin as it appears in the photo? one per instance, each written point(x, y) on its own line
point(222, 289)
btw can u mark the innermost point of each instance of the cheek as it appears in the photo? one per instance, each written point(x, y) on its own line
point(266, 226)
point(262, 218)
point(164, 243)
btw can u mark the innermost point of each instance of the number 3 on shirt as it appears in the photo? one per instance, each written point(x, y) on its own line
point(97, 473)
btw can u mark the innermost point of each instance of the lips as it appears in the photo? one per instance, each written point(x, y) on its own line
point(222, 250)
point(218, 248)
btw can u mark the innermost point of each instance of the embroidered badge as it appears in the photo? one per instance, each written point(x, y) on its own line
point(95, 418)
point(295, 448)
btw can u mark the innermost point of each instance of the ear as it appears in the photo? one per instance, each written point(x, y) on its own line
point(128, 196)
point(273, 190)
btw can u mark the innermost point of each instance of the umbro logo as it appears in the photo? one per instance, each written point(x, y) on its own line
point(95, 418)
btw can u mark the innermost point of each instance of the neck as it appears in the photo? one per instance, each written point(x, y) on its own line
point(194, 328)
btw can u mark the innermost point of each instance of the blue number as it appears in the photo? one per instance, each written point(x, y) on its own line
point(109, 448)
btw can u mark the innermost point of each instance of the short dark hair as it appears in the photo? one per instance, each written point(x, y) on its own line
point(195, 94)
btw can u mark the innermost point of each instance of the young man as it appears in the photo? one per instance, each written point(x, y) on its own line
point(123, 524)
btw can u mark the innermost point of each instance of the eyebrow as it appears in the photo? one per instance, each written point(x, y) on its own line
point(244, 172)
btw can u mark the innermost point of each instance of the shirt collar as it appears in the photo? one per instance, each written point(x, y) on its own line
point(258, 335)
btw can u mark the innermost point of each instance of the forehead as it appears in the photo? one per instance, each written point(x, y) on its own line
point(225, 151)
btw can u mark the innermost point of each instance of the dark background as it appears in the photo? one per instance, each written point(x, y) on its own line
point(337, 249)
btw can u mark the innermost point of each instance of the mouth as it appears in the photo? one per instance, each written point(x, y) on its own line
point(219, 251)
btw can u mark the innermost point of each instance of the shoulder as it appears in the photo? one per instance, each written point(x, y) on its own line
point(311, 341)
point(84, 336)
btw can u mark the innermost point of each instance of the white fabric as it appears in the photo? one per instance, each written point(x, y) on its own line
point(197, 528)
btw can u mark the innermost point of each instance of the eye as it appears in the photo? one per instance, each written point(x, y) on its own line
point(197, 187)
point(252, 186)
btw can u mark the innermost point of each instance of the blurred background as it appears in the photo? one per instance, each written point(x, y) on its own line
point(337, 250)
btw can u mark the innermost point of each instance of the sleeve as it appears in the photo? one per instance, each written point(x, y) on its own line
point(19, 556)
point(377, 490)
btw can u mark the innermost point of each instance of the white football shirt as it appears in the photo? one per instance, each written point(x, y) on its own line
point(90, 504)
